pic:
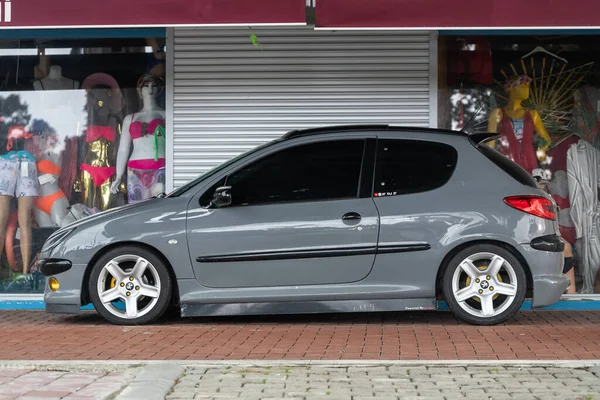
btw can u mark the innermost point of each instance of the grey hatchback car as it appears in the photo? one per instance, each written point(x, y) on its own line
point(339, 219)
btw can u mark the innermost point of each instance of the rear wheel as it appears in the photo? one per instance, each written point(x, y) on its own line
point(484, 285)
point(130, 286)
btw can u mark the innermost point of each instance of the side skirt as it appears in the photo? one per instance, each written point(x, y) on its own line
point(306, 307)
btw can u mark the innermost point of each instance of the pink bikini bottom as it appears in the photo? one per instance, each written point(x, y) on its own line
point(99, 174)
point(148, 164)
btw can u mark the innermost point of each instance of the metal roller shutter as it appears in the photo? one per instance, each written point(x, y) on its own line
point(230, 96)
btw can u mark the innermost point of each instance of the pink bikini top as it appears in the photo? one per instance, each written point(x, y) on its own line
point(138, 129)
point(156, 128)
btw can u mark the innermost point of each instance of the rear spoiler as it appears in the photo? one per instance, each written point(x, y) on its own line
point(481, 137)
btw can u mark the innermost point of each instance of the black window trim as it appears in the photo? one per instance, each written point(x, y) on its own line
point(367, 172)
point(325, 139)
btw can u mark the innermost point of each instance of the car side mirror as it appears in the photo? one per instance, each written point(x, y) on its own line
point(221, 197)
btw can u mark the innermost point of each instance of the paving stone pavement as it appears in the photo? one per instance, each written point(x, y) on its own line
point(62, 383)
point(543, 335)
point(387, 382)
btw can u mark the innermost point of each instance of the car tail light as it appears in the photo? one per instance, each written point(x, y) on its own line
point(534, 205)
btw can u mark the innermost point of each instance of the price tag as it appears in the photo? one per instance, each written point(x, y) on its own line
point(18, 234)
point(24, 169)
point(46, 178)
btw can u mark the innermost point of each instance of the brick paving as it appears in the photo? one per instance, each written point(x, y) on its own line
point(387, 382)
point(73, 384)
point(569, 335)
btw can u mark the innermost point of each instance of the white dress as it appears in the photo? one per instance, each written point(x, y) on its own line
point(582, 176)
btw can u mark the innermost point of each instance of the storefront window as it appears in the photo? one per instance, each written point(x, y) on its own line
point(82, 130)
point(540, 96)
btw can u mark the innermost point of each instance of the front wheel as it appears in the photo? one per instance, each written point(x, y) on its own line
point(130, 286)
point(484, 285)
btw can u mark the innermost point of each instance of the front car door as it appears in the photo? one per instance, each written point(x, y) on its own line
point(296, 218)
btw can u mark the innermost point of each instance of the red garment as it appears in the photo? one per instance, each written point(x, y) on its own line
point(568, 233)
point(559, 154)
point(138, 129)
point(563, 203)
point(99, 174)
point(471, 66)
point(95, 132)
point(523, 155)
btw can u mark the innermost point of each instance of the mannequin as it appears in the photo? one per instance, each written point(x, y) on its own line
point(52, 205)
point(516, 126)
point(98, 168)
point(55, 81)
point(145, 131)
point(104, 105)
point(18, 178)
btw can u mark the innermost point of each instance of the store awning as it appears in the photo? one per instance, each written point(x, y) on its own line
point(457, 14)
point(135, 13)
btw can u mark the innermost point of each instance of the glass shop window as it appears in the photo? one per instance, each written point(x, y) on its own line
point(540, 96)
point(82, 130)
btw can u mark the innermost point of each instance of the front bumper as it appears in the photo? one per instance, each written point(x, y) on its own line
point(549, 283)
point(67, 299)
point(53, 266)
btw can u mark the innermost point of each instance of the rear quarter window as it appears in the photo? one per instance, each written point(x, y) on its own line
point(412, 166)
point(507, 165)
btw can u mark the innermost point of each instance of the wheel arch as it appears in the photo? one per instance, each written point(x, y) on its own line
point(85, 296)
point(465, 245)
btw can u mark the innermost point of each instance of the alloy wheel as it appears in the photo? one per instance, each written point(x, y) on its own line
point(484, 284)
point(129, 286)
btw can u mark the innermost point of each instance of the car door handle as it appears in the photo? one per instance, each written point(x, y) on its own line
point(351, 216)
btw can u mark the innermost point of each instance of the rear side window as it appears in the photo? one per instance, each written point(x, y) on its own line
point(507, 165)
point(412, 166)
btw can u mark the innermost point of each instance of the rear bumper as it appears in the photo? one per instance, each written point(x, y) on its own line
point(547, 289)
point(549, 283)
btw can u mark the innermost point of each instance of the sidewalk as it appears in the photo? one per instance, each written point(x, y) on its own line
point(334, 380)
point(545, 335)
point(388, 382)
point(64, 382)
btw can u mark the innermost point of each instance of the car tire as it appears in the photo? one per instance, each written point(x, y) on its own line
point(130, 285)
point(495, 278)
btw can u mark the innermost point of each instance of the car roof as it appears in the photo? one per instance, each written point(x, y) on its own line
point(476, 137)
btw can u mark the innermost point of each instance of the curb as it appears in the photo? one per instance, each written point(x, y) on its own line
point(173, 367)
point(154, 382)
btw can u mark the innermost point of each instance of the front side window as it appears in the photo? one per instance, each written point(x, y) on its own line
point(412, 166)
point(310, 172)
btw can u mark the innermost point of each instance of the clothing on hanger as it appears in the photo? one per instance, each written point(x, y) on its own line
point(582, 175)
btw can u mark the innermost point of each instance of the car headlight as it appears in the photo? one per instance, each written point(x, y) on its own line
point(55, 239)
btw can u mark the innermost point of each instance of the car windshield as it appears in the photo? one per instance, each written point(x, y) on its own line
point(181, 190)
